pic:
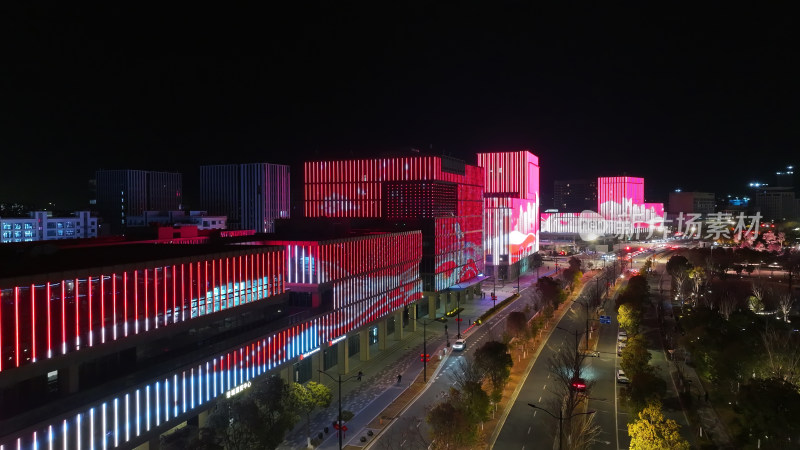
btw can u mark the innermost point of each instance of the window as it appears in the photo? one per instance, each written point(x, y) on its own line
point(59, 224)
point(6, 234)
point(6, 226)
point(51, 232)
point(28, 233)
point(28, 226)
point(51, 224)
point(17, 234)
point(60, 232)
point(70, 232)
point(17, 226)
point(70, 225)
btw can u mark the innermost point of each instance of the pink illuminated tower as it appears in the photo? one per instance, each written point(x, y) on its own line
point(511, 215)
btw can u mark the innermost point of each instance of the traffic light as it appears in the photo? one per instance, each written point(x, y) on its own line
point(424, 357)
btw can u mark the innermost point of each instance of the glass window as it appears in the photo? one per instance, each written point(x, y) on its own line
point(17, 226)
point(59, 224)
point(6, 234)
point(70, 232)
point(51, 224)
point(70, 225)
point(28, 226)
point(51, 232)
point(6, 226)
point(17, 234)
point(60, 232)
point(28, 233)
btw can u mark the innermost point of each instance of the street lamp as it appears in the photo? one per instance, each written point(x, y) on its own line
point(561, 420)
point(339, 419)
point(587, 322)
point(424, 355)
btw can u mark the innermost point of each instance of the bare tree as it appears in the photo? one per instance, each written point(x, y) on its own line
point(727, 304)
point(783, 354)
point(785, 303)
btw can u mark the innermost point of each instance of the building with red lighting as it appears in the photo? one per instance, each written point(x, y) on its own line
point(111, 346)
point(511, 211)
point(621, 211)
point(441, 196)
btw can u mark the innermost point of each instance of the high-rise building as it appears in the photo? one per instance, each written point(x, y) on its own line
point(439, 195)
point(575, 195)
point(691, 202)
point(123, 193)
point(511, 211)
point(252, 196)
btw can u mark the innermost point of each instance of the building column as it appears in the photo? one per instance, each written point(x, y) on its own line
point(398, 325)
point(445, 300)
point(469, 294)
point(343, 356)
point(71, 378)
point(382, 334)
point(202, 419)
point(432, 305)
point(363, 351)
point(287, 373)
point(412, 316)
point(316, 362)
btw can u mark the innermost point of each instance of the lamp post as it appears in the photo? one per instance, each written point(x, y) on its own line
point(587, 323)
point(458, 316)
point(339, 418)
point(424, 356)
point(561, 420)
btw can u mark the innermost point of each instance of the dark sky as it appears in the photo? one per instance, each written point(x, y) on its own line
point(704, 100)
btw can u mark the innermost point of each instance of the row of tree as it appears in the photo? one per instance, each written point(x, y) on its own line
point(257, 417)
point(646, 388)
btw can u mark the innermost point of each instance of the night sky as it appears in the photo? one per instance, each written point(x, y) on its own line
point(702, 100)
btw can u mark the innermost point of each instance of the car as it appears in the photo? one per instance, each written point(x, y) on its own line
point(621, 346)
point(460, 344)
point(621, 377)
point(578, 385)
point(622, 336)
point(591, 353)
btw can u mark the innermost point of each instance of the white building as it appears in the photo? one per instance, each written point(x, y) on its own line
point(41, 227)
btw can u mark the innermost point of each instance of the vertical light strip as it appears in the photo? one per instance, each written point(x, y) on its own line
point(33, 323)
point(16, 325)
point(116, 422)
point(91, 416)
point(78, 430)
point(146, 306)
point(128, 417)
point(91, 334)
point(114, 304)
point(49, 325)
point(102, 309)
point(104, 422)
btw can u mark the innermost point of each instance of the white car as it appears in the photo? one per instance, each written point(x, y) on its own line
point(622, 336)
point(621, 346)
point(460, 344)
point(621, 378)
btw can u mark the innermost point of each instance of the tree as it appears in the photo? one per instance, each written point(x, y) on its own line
point(551, 291)
point(495, 361)
point(307, 398)
point(651, 431)
point(233, 424)
point(785, 304)
point(274, 404)
point(446, 417)
point(629, 318)
point(635, 357)
point(770, 406)
point(677, 264)
point(755, 304)
point(517, 326)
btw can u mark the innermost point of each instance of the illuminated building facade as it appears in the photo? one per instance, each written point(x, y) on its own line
point(218, 316)
point(621, 210)
point(251, 196)
point(123, 193)
point(42, 227)
point(511, 210)
point(441, 196)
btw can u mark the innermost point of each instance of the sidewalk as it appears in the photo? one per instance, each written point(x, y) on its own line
point(368, 398)
point(710, 423)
